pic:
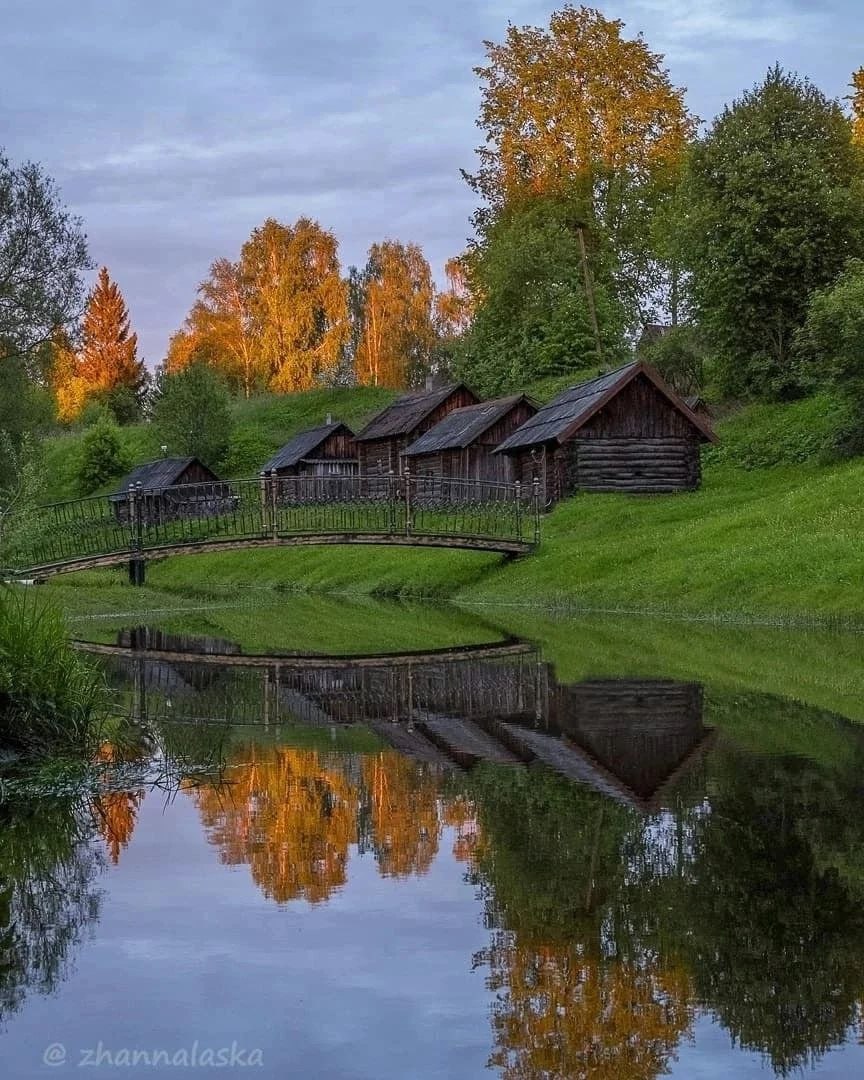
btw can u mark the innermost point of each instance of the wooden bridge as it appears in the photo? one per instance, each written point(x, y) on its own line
point(500, 703)
point(269, 511)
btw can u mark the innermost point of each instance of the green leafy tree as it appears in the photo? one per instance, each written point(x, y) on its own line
point(43, 253)
point(534, 315)
point(102, 456)
point(771, 209)
point(831, 348)
point(192, 413)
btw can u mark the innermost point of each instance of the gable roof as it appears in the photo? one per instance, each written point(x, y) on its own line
point(574, 407)
point(461, 427)
point(303, 443)
point(405, 413)
point(158, 475)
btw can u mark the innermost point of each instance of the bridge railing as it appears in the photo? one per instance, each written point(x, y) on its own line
point(269, 507)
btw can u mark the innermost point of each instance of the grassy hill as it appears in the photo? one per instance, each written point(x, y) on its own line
point(776, 532)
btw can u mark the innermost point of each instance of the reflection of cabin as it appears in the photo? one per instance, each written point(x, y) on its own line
point(328, 450)
point(626, 431)
point(638, 734)
point(381, 443)
point(460, 446)
point(157, 481)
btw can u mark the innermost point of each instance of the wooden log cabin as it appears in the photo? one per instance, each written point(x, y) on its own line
point(381, 443)
point(460, 447)
point(626, 431)
point(327, 450)
point(164, 483)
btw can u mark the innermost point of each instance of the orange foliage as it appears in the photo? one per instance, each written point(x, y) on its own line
point(404, 814)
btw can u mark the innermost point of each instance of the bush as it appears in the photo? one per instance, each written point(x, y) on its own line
point(762, 436)
point(102, 457)
point(50, 699)
point(248, 449)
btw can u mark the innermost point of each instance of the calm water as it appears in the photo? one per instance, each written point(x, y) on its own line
point(458, 864)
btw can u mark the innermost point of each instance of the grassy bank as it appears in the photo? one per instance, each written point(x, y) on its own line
point(775, 533)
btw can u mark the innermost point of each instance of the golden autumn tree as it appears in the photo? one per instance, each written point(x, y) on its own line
point(298, 309)
point(69, 386)
point(290, 817)
point(857, 99)
point(219, 330)
point(454, 306)
point(575, 102)
point(398, 332)
point(108, 360)
point(405, 825)
point(578, 111)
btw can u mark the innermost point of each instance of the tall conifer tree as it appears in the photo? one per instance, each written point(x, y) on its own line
point(109, 353)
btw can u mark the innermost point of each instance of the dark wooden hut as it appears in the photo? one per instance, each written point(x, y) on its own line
point(460, 446)
point(626, 431)
point(381, 443)
point(328, 450)
point(171, 487)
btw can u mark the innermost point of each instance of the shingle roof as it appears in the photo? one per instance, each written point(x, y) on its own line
point(156, 475)
point(573, 408)
point(405, 413)
point(461, 427)
point(302, 445)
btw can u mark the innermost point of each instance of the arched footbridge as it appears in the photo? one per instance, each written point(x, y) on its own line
point(396, 510)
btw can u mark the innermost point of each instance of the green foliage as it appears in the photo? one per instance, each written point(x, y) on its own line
point(50, 699)
point(679, 356)
point(25, 409)
point(102, 457)
point(762, 436)
point(831, 345)
point(192, 413)
point(772, 209)
point(534, 318)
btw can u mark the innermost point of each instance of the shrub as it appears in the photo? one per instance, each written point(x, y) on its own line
point(679, 356)
point(102, 457)
point(248, 449)
point(50, 699)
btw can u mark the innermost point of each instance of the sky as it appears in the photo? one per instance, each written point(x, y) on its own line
point(174, 127)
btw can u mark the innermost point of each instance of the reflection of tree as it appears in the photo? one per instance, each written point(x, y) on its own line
point(460, 813)
point(776, 935)
point(116, 812)
point(562, 1013)
point(290, 816)
point(47, 894)
point(581, 989)
point(404, 813)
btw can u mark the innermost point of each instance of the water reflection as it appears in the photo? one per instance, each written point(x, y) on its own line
point(649, 856)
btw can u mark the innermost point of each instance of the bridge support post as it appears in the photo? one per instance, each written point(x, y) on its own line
point(517, 495)
point(536, 507)
point(391, 501)
point(137, 570)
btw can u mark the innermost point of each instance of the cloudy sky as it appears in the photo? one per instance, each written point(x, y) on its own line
point(175, 126)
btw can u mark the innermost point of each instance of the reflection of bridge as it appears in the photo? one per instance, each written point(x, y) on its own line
point(500, 703)
point(269, 512)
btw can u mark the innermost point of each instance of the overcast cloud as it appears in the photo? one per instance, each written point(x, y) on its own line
point(173, 127)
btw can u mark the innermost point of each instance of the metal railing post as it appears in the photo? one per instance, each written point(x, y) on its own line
point(262, 499)
point(136, 563)
point(408, 522)
point(536, 501)
point(391, 502)
point(274, 520)
point(517, 489)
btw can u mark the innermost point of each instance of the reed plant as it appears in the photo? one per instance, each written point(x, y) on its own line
point(52, 701)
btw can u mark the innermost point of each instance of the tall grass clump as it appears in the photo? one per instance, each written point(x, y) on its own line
point(51, 699)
